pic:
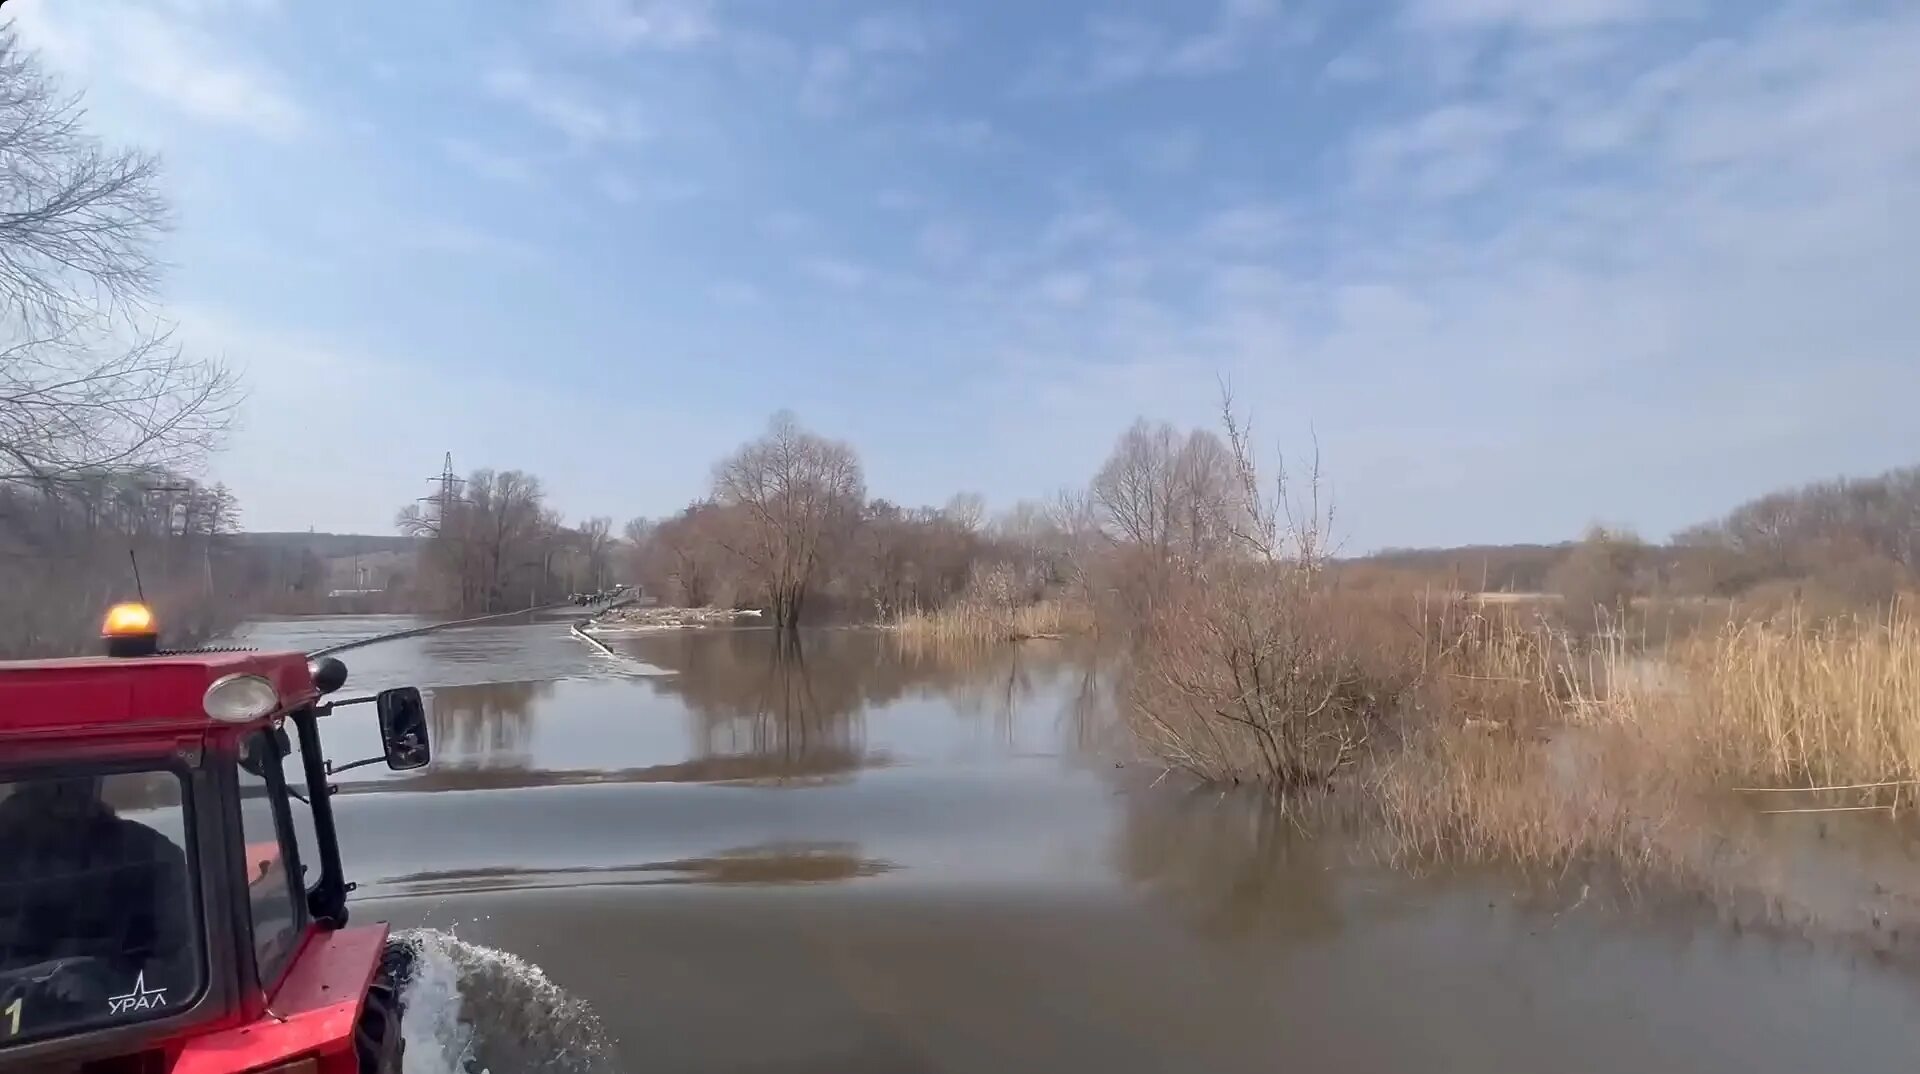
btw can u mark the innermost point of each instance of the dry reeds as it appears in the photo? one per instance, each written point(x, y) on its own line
point(1482, 736)
point(1782, 703)
point(1614, 773)
point(974, 623)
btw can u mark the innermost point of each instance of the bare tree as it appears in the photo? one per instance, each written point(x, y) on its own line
point(494, 547)
point(596, 543)
point(87, 383)
point(966, 510)
point(1136, 487)
point(681, 557)
point(1168, 503)
point(794, 492)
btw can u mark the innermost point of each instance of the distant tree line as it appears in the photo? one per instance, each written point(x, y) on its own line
point(787, 526)
point(494, 545)
point(1830, 546)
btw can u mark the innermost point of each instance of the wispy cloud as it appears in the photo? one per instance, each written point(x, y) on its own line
point(448, 237)
point(835, 272)
point(651, 24)
point(1123, 49)
point(169, 60)
point(943, 243)
point(1451, 150)
point(1168, 152)
point(1247, 227)
point(489, 163)
point(961, 135)
point(571, 112)
point(879, 51)
point(1064, 288)
point(790, 224)
point(897, 32)
point(1729, 276)
point(736, 293)
point(618, 188)
point(1353, 68)
point(1538, 15)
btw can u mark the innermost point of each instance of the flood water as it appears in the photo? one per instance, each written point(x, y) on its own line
point(745, 855)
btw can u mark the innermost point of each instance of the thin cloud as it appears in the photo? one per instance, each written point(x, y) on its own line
point(1119, 50)
point(736, 293)
point(168, 60)
point(1538, 15)
point(1168, 152)
point(880, 52)
point(582, 121)
point(665, 25)
point(835, 272)
point(944, 243)
point(1248, 227)
point(446, 237)
point(961, 135)
point(490, 163)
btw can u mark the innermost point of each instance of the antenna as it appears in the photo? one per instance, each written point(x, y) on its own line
point(138, 589)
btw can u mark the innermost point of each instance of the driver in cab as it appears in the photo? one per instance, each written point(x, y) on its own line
point(80, 882)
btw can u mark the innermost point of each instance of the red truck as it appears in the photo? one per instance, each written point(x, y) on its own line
point(171, 894)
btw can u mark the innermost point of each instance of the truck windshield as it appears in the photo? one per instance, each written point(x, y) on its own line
point(96, 921)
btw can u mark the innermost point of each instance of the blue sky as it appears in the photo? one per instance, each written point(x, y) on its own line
point(1516, 265)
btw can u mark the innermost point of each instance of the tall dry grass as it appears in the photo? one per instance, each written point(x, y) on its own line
point(1639, 767)
point(975, 623)
point(1485, 734)
point(1786, 703)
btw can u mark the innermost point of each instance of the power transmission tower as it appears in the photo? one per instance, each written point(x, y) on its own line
point(445, 496)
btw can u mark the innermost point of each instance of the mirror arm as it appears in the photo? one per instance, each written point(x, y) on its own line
point(333, 769)
point(322, 710)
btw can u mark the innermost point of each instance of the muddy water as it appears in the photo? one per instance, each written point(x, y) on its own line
point(750, 857)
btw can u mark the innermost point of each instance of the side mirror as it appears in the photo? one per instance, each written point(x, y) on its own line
point(403, 728)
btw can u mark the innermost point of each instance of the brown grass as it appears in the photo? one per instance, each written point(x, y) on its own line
point(1653, 761)
point(972, 622)
point(1782, 703)
point(1483, 734)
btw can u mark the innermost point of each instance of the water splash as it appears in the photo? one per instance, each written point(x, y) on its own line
point(476, 1010)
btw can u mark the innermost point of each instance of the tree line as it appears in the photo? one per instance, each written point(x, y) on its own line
point(494, 545)
point(787, 525)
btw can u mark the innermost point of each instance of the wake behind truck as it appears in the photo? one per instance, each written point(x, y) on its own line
point(171, 893)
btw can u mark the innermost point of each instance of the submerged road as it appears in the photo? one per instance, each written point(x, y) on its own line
point(839, 857)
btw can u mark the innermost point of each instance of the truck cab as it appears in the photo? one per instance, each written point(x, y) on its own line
point(172, 897)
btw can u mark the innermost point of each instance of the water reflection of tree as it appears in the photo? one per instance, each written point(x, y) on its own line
point(799, 703)
point(489, 723)
point(781, 700)
point(1233, 865)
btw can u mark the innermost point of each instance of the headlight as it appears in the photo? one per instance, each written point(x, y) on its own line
point(239, 698)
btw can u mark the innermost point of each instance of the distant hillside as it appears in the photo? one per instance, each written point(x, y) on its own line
point(1514, 568)
point(327, 545)
point(1830, 546)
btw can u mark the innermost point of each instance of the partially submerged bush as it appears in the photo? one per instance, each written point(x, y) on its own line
point(1256, 672)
